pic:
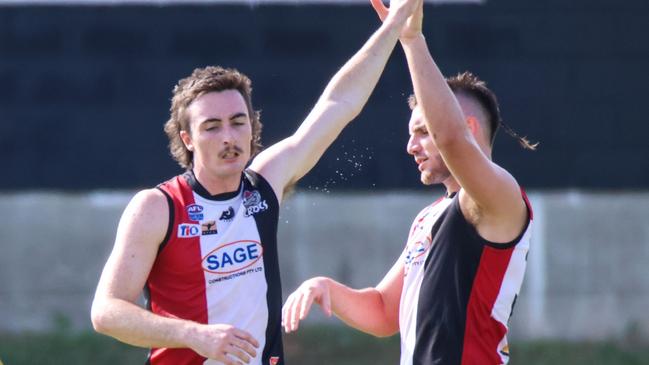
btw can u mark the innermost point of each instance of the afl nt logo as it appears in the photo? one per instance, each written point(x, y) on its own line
point(195, 212)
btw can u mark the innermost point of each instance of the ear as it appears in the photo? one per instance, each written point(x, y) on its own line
point(187, 140)
point(474, 125)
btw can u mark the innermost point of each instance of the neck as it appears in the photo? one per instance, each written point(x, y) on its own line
point(215, 184)
point(451, 186)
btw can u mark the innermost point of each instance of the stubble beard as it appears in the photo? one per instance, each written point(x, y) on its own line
point(437, 175)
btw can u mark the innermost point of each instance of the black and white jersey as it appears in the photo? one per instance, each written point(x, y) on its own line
point(219, 265)
point(459, 289)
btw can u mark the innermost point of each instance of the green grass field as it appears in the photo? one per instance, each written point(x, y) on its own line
point(311, 345)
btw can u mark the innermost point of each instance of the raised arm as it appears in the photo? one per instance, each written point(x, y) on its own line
point(342, 100)
point(114, 309)
point(491, 198)
point(371, 310)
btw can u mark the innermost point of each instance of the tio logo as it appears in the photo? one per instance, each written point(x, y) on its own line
point(188, 230)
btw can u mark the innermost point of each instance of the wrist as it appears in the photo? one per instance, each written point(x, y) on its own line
point(187, 332)
point(396, 19)
point(323, 281)
point(412, 39)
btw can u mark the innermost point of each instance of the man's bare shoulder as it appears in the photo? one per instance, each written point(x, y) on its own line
point(147, 214)
point(149, 200)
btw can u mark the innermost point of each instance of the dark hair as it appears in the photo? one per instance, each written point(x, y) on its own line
point(470, 85)
point(200, 82)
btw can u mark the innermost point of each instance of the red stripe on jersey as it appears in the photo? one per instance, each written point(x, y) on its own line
point(482, 332)
point(527, 202)
point(177, 282)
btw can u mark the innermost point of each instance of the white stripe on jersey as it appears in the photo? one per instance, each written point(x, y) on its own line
point(511, 285)
point(235, 284)
point(414, 257)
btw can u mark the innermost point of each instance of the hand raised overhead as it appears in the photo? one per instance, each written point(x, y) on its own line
point(413, 25)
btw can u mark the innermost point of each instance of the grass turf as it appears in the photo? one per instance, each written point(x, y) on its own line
point(311, 345)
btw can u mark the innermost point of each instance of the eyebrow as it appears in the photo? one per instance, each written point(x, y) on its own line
point(233, 116)
point(419, 128)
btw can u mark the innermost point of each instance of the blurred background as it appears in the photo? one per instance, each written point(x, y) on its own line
point(85, 89)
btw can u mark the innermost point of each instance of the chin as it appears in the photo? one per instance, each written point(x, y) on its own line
point(428, 178)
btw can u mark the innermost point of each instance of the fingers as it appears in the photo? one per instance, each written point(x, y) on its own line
point(286, 312)
point(296, 308)
point(245, 347)
point(243, 335)
point(305, 305)
point(291, 321)
point(381, 10)
point(326, 303)
point(237, 347)
point(225, 359)
point(237, 352)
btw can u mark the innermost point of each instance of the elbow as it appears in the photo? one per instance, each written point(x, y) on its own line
point(99, 318)
point(350, 109)
point(386, 331)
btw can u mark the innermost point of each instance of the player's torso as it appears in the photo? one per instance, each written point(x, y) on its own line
point(219, 264)
point(414, 257)
point(458, 291)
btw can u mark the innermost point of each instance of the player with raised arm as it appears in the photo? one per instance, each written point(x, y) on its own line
point(203, 244)
point(451, 292)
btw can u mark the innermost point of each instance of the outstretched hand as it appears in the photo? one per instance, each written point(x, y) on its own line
point(413, 25)
point(299, 303)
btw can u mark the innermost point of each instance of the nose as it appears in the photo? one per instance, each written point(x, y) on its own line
point(413, 145)
point(227, 135)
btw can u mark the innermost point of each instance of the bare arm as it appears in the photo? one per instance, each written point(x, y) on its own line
point(342, 100)
point(488, 189)
point(114, 309)
point(371, 310)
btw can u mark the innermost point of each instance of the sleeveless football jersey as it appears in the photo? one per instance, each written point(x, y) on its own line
point(459, 289)
point(218, 265)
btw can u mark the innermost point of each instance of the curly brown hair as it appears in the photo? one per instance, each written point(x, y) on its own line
point(200, 82)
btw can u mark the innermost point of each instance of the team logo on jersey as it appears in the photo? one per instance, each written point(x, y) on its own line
point(208, 228)
point(415, 251)
point(195, 212)
point(227, 215)
point(274, 360)
point(186, 230)
point(253, 203)
point(233, 257)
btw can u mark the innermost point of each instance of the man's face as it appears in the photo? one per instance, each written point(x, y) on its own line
point(220, 132)
point(421, 146)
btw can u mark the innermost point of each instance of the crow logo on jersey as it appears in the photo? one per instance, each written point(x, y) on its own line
point(253, 203)
point(227, 215)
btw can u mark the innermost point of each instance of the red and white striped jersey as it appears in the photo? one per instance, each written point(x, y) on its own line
point(218, 265)
point(459, 289)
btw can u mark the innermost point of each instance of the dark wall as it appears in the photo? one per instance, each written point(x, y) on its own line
point(85, 90)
